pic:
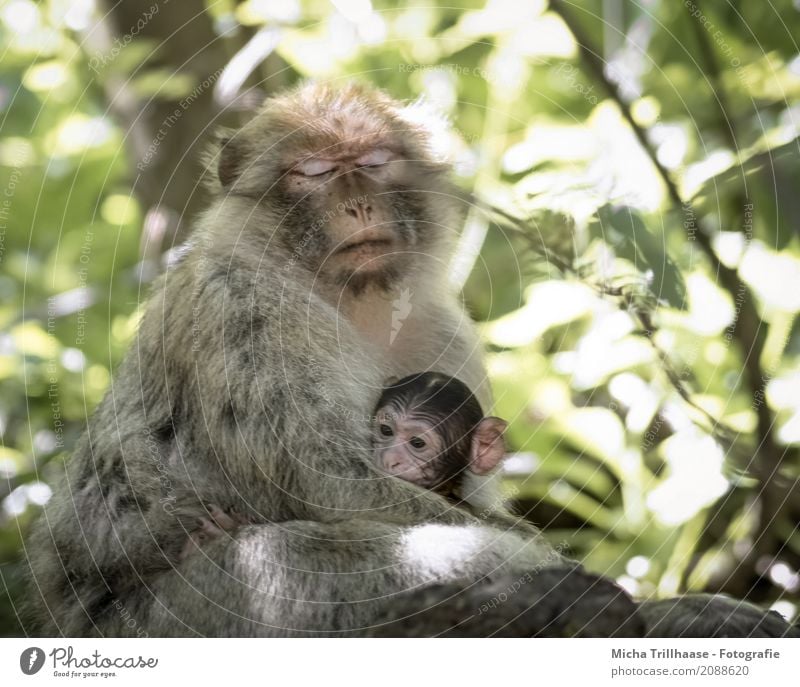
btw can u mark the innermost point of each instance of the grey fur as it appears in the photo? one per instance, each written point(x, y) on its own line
point(250, 386)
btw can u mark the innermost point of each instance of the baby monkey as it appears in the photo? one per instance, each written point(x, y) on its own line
point(430, 430)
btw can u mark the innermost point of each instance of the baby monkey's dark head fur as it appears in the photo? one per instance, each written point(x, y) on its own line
point(349, 180)
point(431, 430)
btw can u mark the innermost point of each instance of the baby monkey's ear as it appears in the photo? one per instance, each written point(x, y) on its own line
point(488, 447)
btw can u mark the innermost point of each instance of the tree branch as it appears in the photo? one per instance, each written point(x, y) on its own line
point(747, 329)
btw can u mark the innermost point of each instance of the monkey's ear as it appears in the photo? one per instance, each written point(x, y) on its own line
point(488, 447)
point(223, 158)
point(228, 160)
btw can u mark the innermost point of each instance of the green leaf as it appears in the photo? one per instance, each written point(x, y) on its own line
point(625, 230)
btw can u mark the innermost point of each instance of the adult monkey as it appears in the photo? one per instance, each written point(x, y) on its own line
point(250, 386)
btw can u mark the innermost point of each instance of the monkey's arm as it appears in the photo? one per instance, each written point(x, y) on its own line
point(120, 511)
point(302, 578)
point(286, 408)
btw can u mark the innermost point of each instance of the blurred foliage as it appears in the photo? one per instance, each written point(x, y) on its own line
point(655, 277)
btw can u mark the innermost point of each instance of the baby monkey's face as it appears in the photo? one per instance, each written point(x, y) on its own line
point(429, 430)
point(412, 448)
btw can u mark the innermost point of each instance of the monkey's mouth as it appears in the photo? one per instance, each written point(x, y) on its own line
point(368, 247)
point(367, 252)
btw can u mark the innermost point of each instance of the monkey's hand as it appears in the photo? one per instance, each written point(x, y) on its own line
point(212, 527)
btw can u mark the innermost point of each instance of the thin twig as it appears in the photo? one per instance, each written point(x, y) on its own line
point(748, 329)
point(626, 299)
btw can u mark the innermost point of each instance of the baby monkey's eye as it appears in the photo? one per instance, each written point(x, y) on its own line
point(386, 430)
point(416, 442)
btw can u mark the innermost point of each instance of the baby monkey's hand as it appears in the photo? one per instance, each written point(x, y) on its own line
point(212, 527)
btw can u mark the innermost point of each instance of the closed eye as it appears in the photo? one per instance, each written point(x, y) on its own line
point(375, 158)
point(314, 167)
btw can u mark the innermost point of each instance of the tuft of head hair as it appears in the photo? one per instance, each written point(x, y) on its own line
point(427, 392)
point(315, 117)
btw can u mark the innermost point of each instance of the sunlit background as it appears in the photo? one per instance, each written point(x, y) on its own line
point(642, 327)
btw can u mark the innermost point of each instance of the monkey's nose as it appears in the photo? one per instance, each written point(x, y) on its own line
point(392, 463)
point(361, 211)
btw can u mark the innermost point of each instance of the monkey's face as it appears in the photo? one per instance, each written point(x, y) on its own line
point(429, 430)
point(356, 196)
point(354, 212)
point(413, 449)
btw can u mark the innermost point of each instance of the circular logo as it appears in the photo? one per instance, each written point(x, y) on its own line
point(31, 660)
